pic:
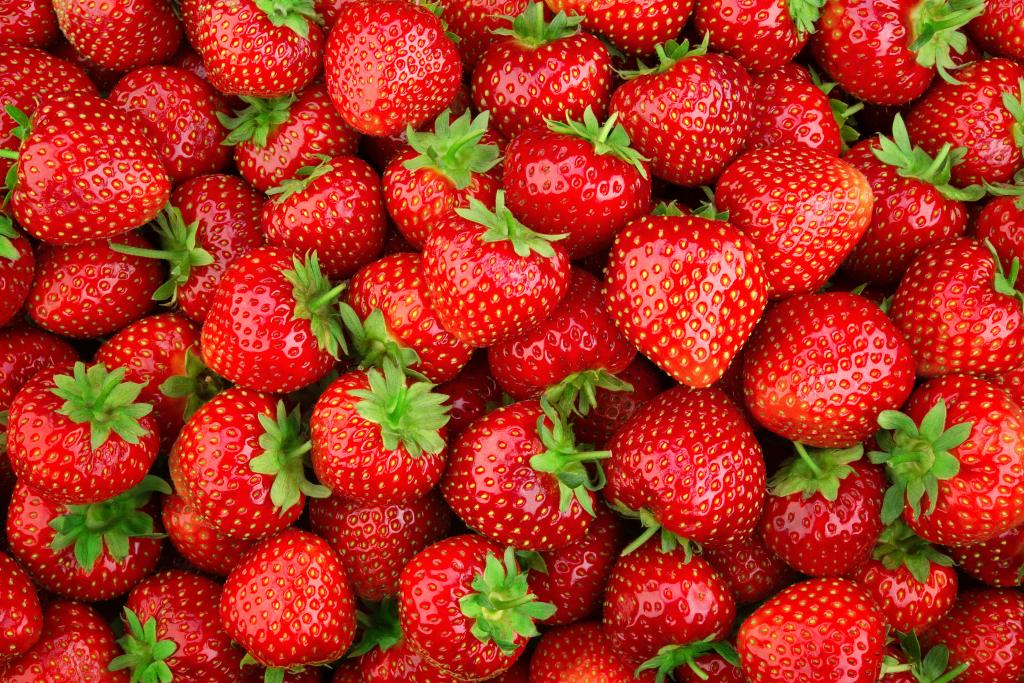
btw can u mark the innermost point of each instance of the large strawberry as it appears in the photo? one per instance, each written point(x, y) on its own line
point(17, 269)
point(1000, 29)
point(19, 611)
point(580, 652)
point(998, 561)
point(636, 27)
point(791, 108)
point(389, 64)
point(31, 23)
point(763, 35)
point(204, 547)
point(121, 35)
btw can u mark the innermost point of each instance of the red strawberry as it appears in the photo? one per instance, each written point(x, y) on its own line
point(687, 463)
point(121, 35)
point(273, 325)
point(255, 48)
point(180, 112)
point(580, 652)
point(397, 664)
point(474, 22)
point(203, 546)
point(762, 35)
point(489, 277)
point(1001, 221)
point(983, 112)
point(471, 394)
point(791, 109)
point(31, 23)
point(289, 604)
point(334, 209)
point(376, 541)
point(970, 475)
point(467, 610)
point(818, 630)
point(103, 78)
point(541, 70)
point(389, 65)
point(827, 386)
point(25, 351)
point(636, 27)
point(17, 270)
point(688, 133)
point(1000, 29)
point(998, 561)
point(85, 171)
point(19, 610)
point(752, 571)
point(613, 408)
point(238, 464)
point(87, 552)
point(712, 666)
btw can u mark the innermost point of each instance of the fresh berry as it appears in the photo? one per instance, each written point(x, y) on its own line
point(122, 34)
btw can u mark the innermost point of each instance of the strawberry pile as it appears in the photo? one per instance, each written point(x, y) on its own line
point(575, 341)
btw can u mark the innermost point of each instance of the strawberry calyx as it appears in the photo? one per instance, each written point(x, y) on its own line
point(671, 657)
point(935, 31)
point(1003, 282)
point(103, 400)
point(294, 14)
point(1008, 190)
point(109, 524)
point(409, 414)
point(670, 208)
point(932, 668)
point(372, 341)
point(707, 209)
point(842, 112)
point(898, 546)
point(501, 605)
point(1015, 105)
point(272, 674)
point(609, 138)
point(453, 149)
point(317, 301)
point(380, 627)
point(532, 30)
point(8, 233)
point(913, 162)
point(668, 54)
point(180, 250)
point(503, 226)
point(577, 393)
point(815, 471)
point(197, 386)
point(303, 177)
point(255, 122)
point(805, 14)
point(566, 462)
point(144, 653)
point(669, 541)
point(284, 458)
point(918, 457)
point(20, 132)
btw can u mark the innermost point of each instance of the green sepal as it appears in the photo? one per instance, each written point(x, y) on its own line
point(842, 112)
point(671, 657)
point(668, 54)
point(1008, 190)
point(932, 668)
point(453, 149)
point(409, 414)
point(317, 302)
point(144, 653)
point(609, 138)
point(303, 177)
point(911, 161)
point(577, 393)
point(530, 28)
point(815, 471)
point(667, 209)
point(935, 29)
point(532, 561)
point(668, 541)
point(284, 458)
point(109, 524)
point(21, 131)
point(898, 546)
point(255, 123)
point(104, 400)
point(805, 14)
point(503, 226)
point(4, 417)
point(294, 14)
point(8, 233)
point(198, 385)
point(501, 605)
point(372, 341)
point(707, 209)
point(1015, 105)
point(1003, 282)
point(381, 628)
point(917, 457)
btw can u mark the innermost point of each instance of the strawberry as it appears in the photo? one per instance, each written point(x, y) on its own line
point(827, 386)
point(335, 209)
point(31, 23)
point(19, 610)
point(490, 277)
point(180, 114)
point(289, 604)
point(636, 27)
point(24, 352)
point(998, 561)
point(17, 270)
point(76, 645)
point(804, 210)
point(973, 484)
point(285, 57)
point(86, 552)
point(888, 52)
point(791, 109)
point(982, 112)
point(121, 35)
point(541, 70)
point(475, 22)
point(688, 465)
point(1000, 29)
point(906, 664)
point(762, 35)
point(389, 65)
point(274, 138)
point(203, 546)
point(272, 325)
point(912, 582)
point(467, 608)
point(1001, 221)
point(107, 180)
point(376, 541)
point(238, 464)
point(439, 171)
point(817, 630)
point(471, 394)
point(397, 664)
point(613, 408)
point(580, 652)
point(985, 630)
point(752, 571)
point(577, 178)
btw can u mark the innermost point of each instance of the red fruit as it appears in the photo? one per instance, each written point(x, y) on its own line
point(288, 602)
point(791, 109)
point(580, 653)
point(471, 394)
point(1000, 29)
point(762, 35)
point(818, 630)
point(376, 541)
point(614, 408)
point(398, 664)
point(752, 571)
point(24, 352)
point(203, 546)
point(998, 561)
point(121, 35)
point(85, 171)
point(17, 270)
point(389, 65)
point(636, 27)
point(19, 610)
point(1001, 222)
point(31, 23)
point(474, 22)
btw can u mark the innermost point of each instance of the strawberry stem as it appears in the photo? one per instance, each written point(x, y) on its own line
point(911, 161)
point(303, 178)
point(453, 150)
point(935, 32)
point(566, 463)
point(255, 122)
point(104, 400)
point(651, 526)
point(610, 138)
point(932, 668)
point(198, 385)
point(284, 458)
point(316, 301)
point(503, 226)
point(531, 30)
point(671, 657)
point(144, 653)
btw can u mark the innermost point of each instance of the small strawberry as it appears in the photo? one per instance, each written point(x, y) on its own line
point(19, 611)
point(580, 652)
point(753, 572)
point(17, 270)
point(385, 656)
point(762, 35)
point(123, 34)
point(471, 394)
point(613, 408)
point(1000, 29)
point(24, 352)
point(31, 23)
point(791, 109)
point(998, 561)
point(475, 22)
point(204, 547)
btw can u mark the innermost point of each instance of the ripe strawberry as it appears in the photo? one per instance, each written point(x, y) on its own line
point(87, 552)
point(17, 270)
point(688, 465)
point(475, 21)
point(1000, 29)
point(985, 630)
point(106, 180)
point(438, 173)
point(982, 112)
point(1001, 221)
point(973, 483)
point(791, 109)
point(471, 394)
point(998, 561)
point(238, 464)
point(31, 23)
point(762, 35)
point(389, 64)
point(180, 114)
point(752, 571)
point(289, 603)
point(376, 541)
point(334, 209)
point(203, 546)
point(541, 70)
point(466, 610)
point(580, 652)
point(489, 277)
point(273, 325)
point(24, 352)
point(121, 35)
point(283, 59)
point(613, 408)
point(19, 611)
point(636, 27)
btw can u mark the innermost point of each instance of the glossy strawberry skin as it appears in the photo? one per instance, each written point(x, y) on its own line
point(1001, 222)
point(906, 603)
point(204, 547)
point(473, 22)
point(752, 571)
point(614, 408)
point(580, 652)
point(397, 664)
point(16, 277)
point(636, 27)
point(471, 394)
point(997, 561)
point(121, 35)
point(789, 109)
point(24, 352)
point(1000, 29)
point(761, 35)
point(31, 23)
point(19, 610)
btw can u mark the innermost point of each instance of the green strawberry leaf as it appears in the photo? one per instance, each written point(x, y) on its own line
point(671, 657)
point(317, 302)
point(935, 27)
point(577, 393)
point(255, 122)
point(284, 457)
point(568, 464)
point(610, 138)
point(453, 149)
point(531, 30)
point(815, 471)
point(503, 226)
point(144, 653)
point(104, 401)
